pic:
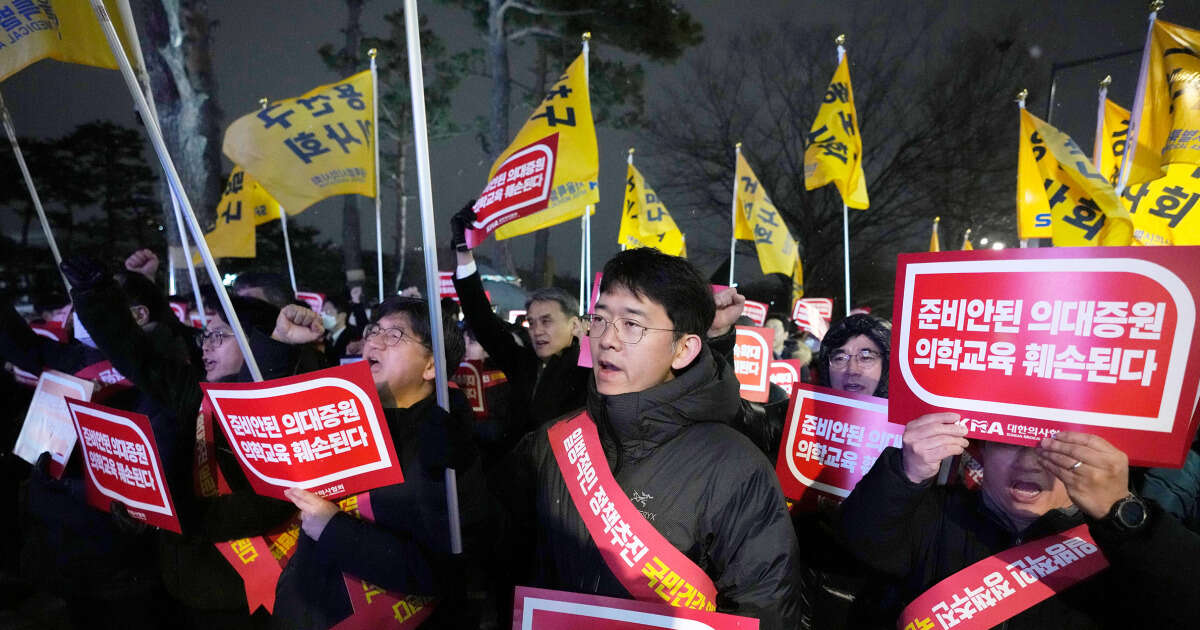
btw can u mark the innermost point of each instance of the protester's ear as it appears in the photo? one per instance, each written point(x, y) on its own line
point(430, 371)
point(686, 350)
point(576, 326)
point(141, 314)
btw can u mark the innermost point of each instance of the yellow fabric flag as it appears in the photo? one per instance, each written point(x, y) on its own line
point(307, 148)
point(64, 30)
point(1114, 130)
point(1169, 127)
point(834, 152)
point(645, 221)
point(1033, 211)
point(1161, 209)
point(776, 248)
point(967, 246)
point(244, 205)
point(935, 245)
point(1084, 208)
point(566, 116)
point(797, 281)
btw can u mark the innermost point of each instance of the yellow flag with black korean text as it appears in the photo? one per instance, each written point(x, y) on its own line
point(1169, 127)
point(1162, 208)
point(834, 152)
point(645, 221)
point(1033, 210)
point(311, 147)
point(244, 205)
point(64, 30)
point(566, 114)
point(776, 248)
point(935, 245)
point(1114, 132)
point(1084, 208)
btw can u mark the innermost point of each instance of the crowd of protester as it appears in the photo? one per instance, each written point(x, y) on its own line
point(698, 460)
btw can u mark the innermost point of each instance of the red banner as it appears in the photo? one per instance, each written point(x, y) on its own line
point(520, 187)
point(258, 568)
point(756, 311)
point(314, 300)
point(830, 441)
point(323, 431)
point(785, 373)
point(542, 609)
point(752, 360)
point(121, 463)
point(983, 596)
point(1027, 342)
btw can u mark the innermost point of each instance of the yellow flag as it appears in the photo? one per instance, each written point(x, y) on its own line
point(244, 205)
point(934, 244)
point(560, 129)
point(65, 30)
point(311, 147)
point(645, 221)
point(834, 152)
point(797, 281)
point(1162, 209)
point(1033, 211)
point(967, 246)
point(1084, 208)
point(1169, 127)
point(777, 251)
point(1114, 130)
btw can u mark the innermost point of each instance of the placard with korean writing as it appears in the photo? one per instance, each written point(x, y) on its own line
point(48, 427)
point(322, 431)
point(469, 377)
point(121, 463)
point(756, 311)
point(446, 285)
point(830, 440)
point(314, 300)
point(543, 609)
point(786, 373)
point(1024, 343)
point(520, 187)
point(751, 361)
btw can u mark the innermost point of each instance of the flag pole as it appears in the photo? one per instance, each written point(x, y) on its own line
point(33, 194)
point(164, 158)
point(1098, 146)
point(841, 52)
point(416, 82)
point(733, 209)
point(287, 246)
point(378, 208)
point(582, 262)
point(587, 211)
point(1139, 101)
point(1021, 105)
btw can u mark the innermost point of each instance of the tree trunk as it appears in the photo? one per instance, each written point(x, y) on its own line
point(351, 230)
point(497, 46)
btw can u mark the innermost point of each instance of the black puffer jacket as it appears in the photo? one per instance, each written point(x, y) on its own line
point(702, 484)
point(921, 534)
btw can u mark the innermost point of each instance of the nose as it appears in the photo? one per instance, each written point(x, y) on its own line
point(1027, 460)
point(608, 338)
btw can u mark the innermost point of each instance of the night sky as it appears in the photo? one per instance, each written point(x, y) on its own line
point(268, 48)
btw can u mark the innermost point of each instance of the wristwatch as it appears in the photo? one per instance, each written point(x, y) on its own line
point(1128, 514)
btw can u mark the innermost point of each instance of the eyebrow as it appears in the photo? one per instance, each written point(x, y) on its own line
point(628, 311)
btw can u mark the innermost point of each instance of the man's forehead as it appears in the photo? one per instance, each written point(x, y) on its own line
point(621, 301)
point(541, 308)
point(396, 320)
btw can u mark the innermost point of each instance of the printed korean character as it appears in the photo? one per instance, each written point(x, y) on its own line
point(655, 570)
point(356, 437)
point(1102, 365)
point(1086, 216)
point(292, 424)
point(837, 433)
point(270, 119)
point(849, 460)
point(920, 623)
point(1066, 361)
point(1007, 317)
point(669, 585)
point(930, 315)
point(948, 351)
point(1173, 204)
point(337, 441)
point(1001, 356)
point(809, 426)
point(244, 549)
point(1062, 554)
point(633, 551)
point(1110, 319)
point(145, 479)
point(1146, 320)
point(238, 427)
point(998, 585)
point(576, 450)
point(1040, 565)
point(598, 500)
point(252, 450)
point(621, 532)
point(1080, 546)
point(281, 454)
point(1024, 575)
point(877, 440)
point(344, 138)
point(854, 435)
point(979, 310)
point(306, 146)
point(125, 474)
point(586, 475)
point(328, 416)
point(609, 516)
point(270, 427)
point(823, 426)
point(351, 96)
point(1084, 312)
point(804, 449)
point(1039, 360)
point(686, 594)
point(945, 615)
point(576, 437)
point(348, 411)
point(833, 457)
point(317, 106)
point(1045, 315)
point(1148, 366)
point(954, 312)
point(923, 352)
point(26, 8)
point(819, 451)
point(981, 597)
point(974, 354)
point(321, 448)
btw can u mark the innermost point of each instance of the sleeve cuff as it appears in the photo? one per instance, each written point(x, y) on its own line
point(462, 271)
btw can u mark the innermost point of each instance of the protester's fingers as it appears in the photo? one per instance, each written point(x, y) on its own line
point(931, 424)
point(303, 499)
point(941, 417)
point(939, 443)
point(1063, 462)
point(1075, 451)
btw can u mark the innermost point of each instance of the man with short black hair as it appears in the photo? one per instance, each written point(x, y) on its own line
point(269, 287)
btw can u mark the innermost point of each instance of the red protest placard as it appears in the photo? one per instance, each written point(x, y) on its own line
point(180, 309)
point(543, 609)
point(470, 378)
point(121, 463)
point(751, 361)
point(315, 301)
point(830, 441)
point(323, 431)
point(1026, 342)
point(756, 311)
point(520, 187)
point(813, 315)
point(446, 285)
point(785, 373)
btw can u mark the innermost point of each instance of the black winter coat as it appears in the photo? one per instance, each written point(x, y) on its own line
point(703, 485)
point(921, 534)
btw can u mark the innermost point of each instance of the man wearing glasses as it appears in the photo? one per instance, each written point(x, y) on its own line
point(672, 475)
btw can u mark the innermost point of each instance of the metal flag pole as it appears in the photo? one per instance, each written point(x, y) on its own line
point(587, 229)
point(733, 210)
point(416, 84)
point(841, 52)
point(164, 158)
point(1098, 145)
point(378, 208)
point(582, 262)
point(1139, 102)
point(33, 194)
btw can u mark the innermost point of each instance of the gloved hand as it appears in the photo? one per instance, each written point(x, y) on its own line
point(84, 272)
point(459, 224)
point(123, 520)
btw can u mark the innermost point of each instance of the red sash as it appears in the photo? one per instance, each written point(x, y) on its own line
point(645, 562)
point(983, 595)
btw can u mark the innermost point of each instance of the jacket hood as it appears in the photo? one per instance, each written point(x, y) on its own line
point(637, 422)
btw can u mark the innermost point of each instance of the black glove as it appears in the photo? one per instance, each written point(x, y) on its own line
point(459, 224)
point(123, 520)
point(84, 272)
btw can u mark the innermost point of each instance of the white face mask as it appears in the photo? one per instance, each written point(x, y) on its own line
point(330, 321)
point(81, 333)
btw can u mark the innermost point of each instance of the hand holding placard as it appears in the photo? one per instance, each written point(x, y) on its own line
point(315, 512)
point(1101, 477)
point(928, 440)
